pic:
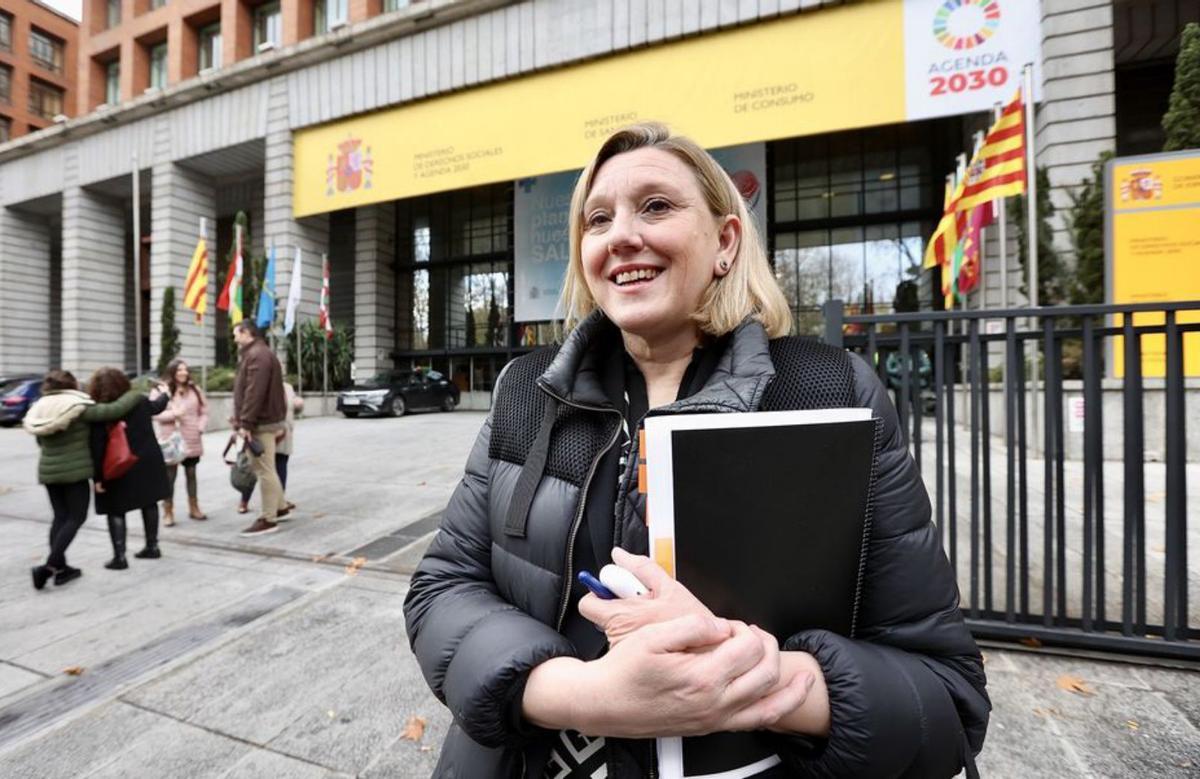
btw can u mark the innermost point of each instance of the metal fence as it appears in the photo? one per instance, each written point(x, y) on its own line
point(1090, 550)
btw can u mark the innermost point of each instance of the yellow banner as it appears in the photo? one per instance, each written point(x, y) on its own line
point(840, 68)
point(1155, 249)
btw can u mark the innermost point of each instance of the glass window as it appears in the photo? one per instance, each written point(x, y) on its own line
point(46, 51)
point(113, 13)
point(112, 82)
point(210, 47)
point(5, 32)
point(45, 100)
point(5, 129)
point(328, 14)
point(394, 5)
point(158, 66)
point(268, 25)
point(5, 85)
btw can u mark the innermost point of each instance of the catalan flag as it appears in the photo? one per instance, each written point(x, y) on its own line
point(998, 168)
point(195, 290)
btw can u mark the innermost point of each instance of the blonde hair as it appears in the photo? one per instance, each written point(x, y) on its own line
point(748, 289)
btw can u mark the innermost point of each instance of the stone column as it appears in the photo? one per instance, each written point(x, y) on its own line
point(1076, 120)
point(375, 289)
point(311, 235)
point(181, 198)
point(95, 302)
point(25, 295)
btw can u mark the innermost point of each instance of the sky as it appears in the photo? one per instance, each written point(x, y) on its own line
point(72, 8)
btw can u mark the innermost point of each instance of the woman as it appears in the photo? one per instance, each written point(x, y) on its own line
point(284, 442)
point(187, 414)
point(61, 420)
point(145, 484)
point(672, 307)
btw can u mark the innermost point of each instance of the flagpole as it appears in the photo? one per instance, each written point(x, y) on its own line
point(1031, 226)
point(137, 267)
point(979, 136)
point(203, 328)
point(1001, 218)
point(299, 343)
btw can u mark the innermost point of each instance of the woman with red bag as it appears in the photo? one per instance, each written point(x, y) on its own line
point(61, 419)
point(145, 483)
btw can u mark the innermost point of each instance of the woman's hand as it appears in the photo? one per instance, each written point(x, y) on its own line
point(687, 676)
point(667, 600)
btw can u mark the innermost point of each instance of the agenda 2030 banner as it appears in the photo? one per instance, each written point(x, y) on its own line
point(855, 65)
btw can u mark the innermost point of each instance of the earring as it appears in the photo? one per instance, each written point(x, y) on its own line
point(724, 265)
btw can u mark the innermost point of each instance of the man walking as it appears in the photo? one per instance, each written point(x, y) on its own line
point(261, 413)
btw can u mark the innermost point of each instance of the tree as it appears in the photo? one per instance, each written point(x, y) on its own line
point(1087, 235)
point(169, 348)
point(1182, 120)
point(1051, 284)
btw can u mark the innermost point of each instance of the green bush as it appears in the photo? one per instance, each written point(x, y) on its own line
point(220, 379)
point(341, 354)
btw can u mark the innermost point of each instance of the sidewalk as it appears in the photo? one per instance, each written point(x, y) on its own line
point(285, 655)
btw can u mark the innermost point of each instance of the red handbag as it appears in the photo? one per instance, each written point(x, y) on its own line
point(118, 457)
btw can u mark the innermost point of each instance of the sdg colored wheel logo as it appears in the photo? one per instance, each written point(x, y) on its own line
point(964, 24)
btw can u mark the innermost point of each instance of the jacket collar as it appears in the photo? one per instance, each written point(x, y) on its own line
point(736, 384)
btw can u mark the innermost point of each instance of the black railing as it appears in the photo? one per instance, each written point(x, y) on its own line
point(1040, 569)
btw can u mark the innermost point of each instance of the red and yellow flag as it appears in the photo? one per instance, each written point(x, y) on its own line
point(998, 168)
point(945, 237)
point(195, 289)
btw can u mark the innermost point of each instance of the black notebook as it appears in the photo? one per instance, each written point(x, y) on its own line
point(764, 517)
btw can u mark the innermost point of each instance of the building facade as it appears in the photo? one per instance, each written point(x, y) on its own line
point(426, 149)
point(38, 51)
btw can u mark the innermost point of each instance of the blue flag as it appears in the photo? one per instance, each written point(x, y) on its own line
point(266, 300)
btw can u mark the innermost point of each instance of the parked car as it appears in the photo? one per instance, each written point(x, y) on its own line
point(395, 393)
point(16, 396)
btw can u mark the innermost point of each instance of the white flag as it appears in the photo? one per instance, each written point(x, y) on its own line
point(293, 299)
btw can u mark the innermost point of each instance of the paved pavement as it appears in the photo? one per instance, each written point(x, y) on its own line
point(285, 656)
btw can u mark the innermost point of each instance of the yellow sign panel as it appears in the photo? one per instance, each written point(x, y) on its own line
point(1154, 249)
point(842, 67)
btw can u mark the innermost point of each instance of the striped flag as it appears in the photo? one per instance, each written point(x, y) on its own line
point(231, 296)
point(324, 319)
point(998, 168)
point(949, 228)
point(195, 290)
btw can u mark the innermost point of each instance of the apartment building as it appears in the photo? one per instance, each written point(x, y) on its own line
point(38, 52)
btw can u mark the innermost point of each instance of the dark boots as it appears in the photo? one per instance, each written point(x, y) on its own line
point(116, 532)
point(150, 524)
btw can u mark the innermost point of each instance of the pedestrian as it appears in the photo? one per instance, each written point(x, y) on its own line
point(61, 419)
point(186, 414)
point(672, 307)
point(284, 441)
point(143, 485)
point(261, 410)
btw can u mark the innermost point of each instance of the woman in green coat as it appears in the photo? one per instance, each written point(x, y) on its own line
point(61, 419)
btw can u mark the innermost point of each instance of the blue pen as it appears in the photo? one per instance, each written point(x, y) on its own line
point(594, 584)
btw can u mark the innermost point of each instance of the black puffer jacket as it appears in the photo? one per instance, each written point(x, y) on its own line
point(486, 604)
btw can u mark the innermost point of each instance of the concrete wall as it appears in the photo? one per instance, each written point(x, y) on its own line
point(375, 282)
point(94, 300)
point(25, 280)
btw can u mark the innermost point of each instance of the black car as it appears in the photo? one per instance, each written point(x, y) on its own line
point(395, 393)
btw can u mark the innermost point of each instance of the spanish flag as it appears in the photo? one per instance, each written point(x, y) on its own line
point(998, 169)
point(195, 290)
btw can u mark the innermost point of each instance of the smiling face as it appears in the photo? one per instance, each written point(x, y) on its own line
point(181, 374)
point(650, 246)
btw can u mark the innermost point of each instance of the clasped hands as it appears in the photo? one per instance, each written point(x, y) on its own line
point(673, 669)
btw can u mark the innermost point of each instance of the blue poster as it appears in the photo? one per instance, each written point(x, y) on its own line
point(541, 208)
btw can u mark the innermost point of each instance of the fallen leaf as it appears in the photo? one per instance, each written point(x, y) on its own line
point(355, 565)
point(75, 670)
point(318, 514)
point(1031, 642)
point(1074, 684)
point(414, 729)
point(1131, 724)
point(1048, 712)
point(321, 558)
